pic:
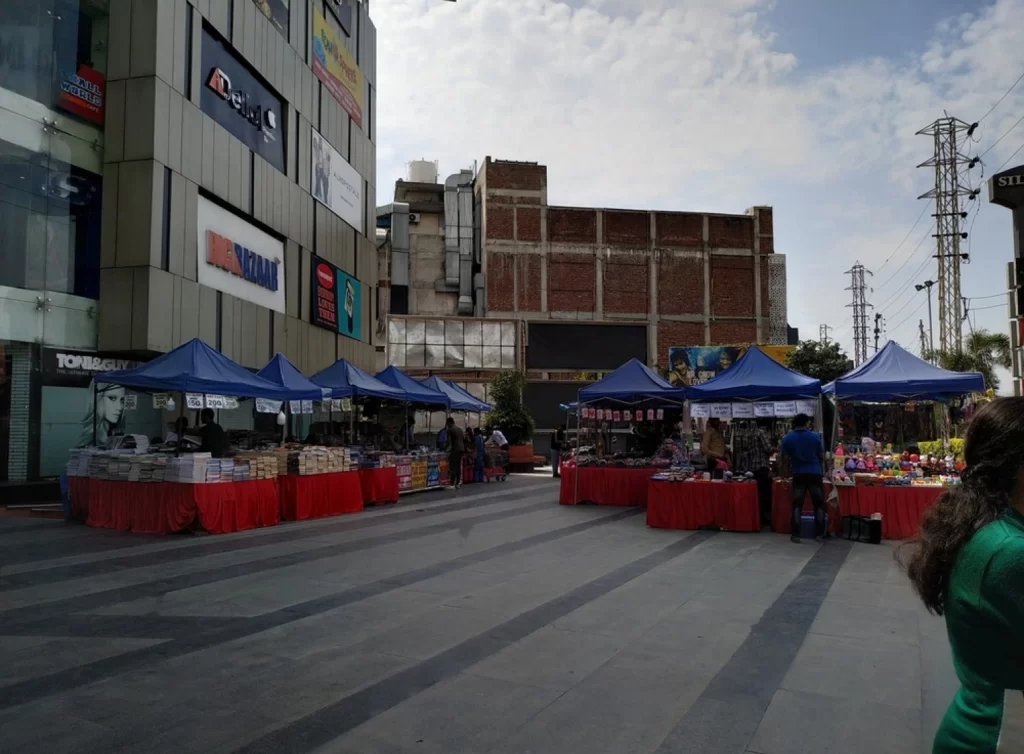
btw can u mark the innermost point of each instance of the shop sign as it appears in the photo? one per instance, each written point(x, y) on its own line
point(336, 184)
point(276, 12)
point(238, 258)
point(1007, 188)
point(81, 94)
point(334, 66)
point(65, 368)
point(336, 300)
point(235, 98)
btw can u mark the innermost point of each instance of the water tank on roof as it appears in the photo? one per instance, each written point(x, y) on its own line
point(423, 171)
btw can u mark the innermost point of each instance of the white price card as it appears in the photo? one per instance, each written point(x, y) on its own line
point(764, 410)
point(661, 414)
point(193, 400)
point(307, 407)
point(807, 407)
point(215, 401)
point(721, 410)
point(131, 402)
point(743, 411)
point(160, 400)
point(650, 414)
point(295, 407)
point(700, 410)
point(785, 408)
point(346, 404)
point(230, 403)
point(265, 406)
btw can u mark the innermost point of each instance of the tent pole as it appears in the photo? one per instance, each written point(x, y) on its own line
point(179, 429)
point(407, 426)
point(576, 461)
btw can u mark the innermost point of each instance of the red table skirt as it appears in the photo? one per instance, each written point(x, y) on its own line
point(319, 495)
point(604, 486)
point(379, 485)
point(782, 508)
point(164, 508)
point(693, 505)
point(901, 507)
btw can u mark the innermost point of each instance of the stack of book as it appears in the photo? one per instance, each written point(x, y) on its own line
point(188, 469)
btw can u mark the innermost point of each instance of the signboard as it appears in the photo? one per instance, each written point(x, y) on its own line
point(160, 400)
point(193, 400)
point(131, 402)
point(764, 410)
point(334, 66)
point(743, 411)
point(66, 368)
point(694, 365)
point(215, 401)
point(721, 410)
point(336, 184)
point(700, 410)
point(238, 258)
point(276, 12)
point(807, 407)
point(267, 406)
point(335, 299)
point(81, 94)
point(236, 99)
point(785, 408)
point(1007, 188)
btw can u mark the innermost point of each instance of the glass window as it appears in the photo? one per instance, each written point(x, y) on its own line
point(49, 224)
point(55, 52)
point(277, 12)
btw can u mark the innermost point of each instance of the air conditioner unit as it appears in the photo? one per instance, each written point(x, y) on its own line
point(414, 217)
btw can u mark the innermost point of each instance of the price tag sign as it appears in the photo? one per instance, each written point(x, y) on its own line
point(807, 407)
point(215, 401)
point(307, 407)
point(265, 406)
point(661, 414)
point(721, 410)
point(230, 403)
point(616, 416)
point(160, 400)
point(764, 410)
point(700, 410)
point(193, 400)
point(650, 414)
point(743, 411)
point(600, 414)
point(785, 408)
point(295, 407)
point(346, 404)
point(627, 416)
point(131, 402)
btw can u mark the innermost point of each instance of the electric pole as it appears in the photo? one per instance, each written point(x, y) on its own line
point(823, 334)
point(947, 162)
point(878, 328)
point(860, 308)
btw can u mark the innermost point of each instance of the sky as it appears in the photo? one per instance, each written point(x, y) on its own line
point(809, 106)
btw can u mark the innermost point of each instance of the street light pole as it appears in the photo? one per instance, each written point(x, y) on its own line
point(927, 286)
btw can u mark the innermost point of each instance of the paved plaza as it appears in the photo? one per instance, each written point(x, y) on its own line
point(492, 620)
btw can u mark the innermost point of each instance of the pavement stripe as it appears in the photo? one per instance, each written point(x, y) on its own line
point(290, 532)
point(334, 720)
point(64, 680)
point(16, 618)
point(725, 716)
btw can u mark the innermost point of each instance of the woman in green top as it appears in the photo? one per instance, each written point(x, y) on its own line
point(968, 565)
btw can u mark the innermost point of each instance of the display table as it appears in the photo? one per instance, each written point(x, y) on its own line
point(319, 495)
point(604, 485)
point(694, 505)
point(901, 507)
point(167, 507)
point(379, 486)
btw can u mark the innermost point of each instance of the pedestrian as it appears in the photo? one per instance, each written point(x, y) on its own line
point(752, 451)
point(557, 442)
point(478, 443)
point(967, 564)
point(498, 438)
point(214, 439)
point(456, 449)
point(803, 456)
point(712, 445)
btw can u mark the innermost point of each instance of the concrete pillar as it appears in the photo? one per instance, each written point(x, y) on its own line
point(705, 252)
point(652, 286)
point(759, 320)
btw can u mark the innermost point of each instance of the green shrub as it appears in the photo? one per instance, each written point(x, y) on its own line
point(509, 415)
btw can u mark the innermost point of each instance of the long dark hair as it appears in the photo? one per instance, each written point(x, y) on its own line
point(994, 453)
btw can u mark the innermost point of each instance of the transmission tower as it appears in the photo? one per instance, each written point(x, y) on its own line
point(860, 308)
point(823, 334)
point(924, 340)
point(947, 163)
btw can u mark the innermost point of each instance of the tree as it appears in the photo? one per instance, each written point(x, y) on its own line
point(509, 415)
point(824, 362)
point(982, 351)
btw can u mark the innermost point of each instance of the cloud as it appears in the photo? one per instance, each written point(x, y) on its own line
point(695, 106)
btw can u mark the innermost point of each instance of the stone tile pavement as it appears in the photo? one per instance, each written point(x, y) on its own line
point(491, 620)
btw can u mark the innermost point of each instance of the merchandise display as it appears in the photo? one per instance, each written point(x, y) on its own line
point(190, 468)
point(871, 464)
point(421, 470)
point(312, 459)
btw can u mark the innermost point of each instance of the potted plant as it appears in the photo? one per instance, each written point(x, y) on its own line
point(510, 416)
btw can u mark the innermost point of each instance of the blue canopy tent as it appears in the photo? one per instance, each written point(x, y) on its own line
point(460, 399)
point(348, 381)
point(485, 407)
point(415, 392)
point(283, 373)
point(633, 382)
point(893, 375)
point(195, 367)
point(755, 376)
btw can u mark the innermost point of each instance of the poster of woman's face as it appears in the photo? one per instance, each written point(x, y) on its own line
point(108, 417)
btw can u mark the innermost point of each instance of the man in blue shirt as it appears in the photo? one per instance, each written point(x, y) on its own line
point(803, 457)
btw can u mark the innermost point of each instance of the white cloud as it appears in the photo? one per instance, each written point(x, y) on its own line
point(663, 104)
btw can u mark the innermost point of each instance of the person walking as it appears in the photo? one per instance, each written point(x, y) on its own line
point(712, 445)
point(803, 456)
point(967, 564)
point(557, 442)
point(478, 443)
point(456, 449)
point(752, 450)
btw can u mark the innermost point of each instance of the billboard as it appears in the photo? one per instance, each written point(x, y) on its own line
point(238, 258)
point(694, 365)
point(336, 184)
point(335, 299)
point(334, 66)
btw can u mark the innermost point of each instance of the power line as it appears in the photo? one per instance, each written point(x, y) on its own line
point(1000, 100)
point(983, 308)
point(1007, 133)
point(1007, 162)
point(908, 317)
point(991, 295)
point(925, 210)
point(909, 257)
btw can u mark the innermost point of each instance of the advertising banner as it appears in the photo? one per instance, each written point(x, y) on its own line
point(335, 299)
point(238, 258)
point(334, 66)
point(694, 365)
point(76, 368)
point(336, 184)
point(81, 94)
point(236, 99)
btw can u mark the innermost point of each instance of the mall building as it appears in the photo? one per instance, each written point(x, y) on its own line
point(172, 169)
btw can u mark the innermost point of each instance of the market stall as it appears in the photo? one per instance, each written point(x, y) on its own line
point(135, 488)
point(378, 477)
point(312, 482)
point(756, 390)
point(870, 478)
point(460, 400)
point(634, 395)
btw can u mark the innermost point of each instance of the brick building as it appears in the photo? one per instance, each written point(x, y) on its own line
point(584, 288)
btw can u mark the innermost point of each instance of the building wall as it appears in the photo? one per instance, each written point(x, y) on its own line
point(163, 152)
point(694, 278)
